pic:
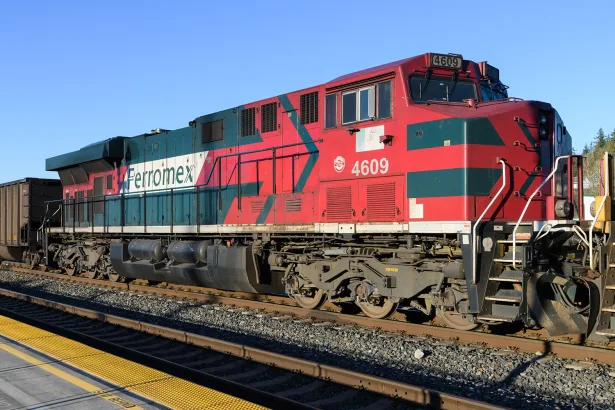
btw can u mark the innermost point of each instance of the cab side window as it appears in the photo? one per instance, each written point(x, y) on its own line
point(367, 103)
point(331, 111)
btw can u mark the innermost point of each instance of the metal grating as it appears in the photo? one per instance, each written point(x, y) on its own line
point(293, 205)
point(269, 117)
point(309, 108)
point(256, 206)
point(248, 122)
point(339, 203)
point(381, 202)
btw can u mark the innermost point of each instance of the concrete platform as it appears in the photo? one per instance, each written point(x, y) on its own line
point(42, 370)
point(25, 384)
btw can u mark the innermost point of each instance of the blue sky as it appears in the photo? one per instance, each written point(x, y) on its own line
point(75, 72)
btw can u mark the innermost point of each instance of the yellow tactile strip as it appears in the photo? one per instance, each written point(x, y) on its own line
point(142, 380)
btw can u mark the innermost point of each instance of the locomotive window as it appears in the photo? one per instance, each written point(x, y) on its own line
point(384, 99)
point(109, 182)
point(440, 89)
point(248, 122)
point(359, 105)
point(331, 111)
point(349, 108)
point(212, 131)
point(309, 108)
point(269, 117)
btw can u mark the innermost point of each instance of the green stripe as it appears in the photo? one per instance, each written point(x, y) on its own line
point(532, 176)
point(262, 216)
point(306, 138)
point(452, 182)
point(452, 131)
point(527, 133)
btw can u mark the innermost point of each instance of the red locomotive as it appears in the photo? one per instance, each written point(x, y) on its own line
point(416, 184)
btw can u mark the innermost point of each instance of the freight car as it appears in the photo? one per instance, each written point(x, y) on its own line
point(22, 209)
point(416, 184)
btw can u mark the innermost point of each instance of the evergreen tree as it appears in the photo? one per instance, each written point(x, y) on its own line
point(601, 139)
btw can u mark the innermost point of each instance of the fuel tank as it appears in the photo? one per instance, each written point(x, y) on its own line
point(195, 263)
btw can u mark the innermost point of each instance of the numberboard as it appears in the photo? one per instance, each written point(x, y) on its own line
point(446, 61)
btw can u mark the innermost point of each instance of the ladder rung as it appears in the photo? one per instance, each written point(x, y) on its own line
point(513, 280)
point(609, 309)
point(493, 318)
point(507, 260)
point(610, 287)
point(612, 265)
point(606, 332)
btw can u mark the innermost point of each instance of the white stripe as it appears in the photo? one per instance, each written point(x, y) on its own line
point(394, 227)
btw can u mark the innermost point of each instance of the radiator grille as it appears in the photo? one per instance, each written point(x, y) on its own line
point(381, 202)
point(309, 108)
point(248, 123)
point(293, 205)
point(269, 117)
point(256, 206)
point(339, 203)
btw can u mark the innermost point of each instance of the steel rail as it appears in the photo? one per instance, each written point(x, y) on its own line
point(414, 394)
point(268, 303)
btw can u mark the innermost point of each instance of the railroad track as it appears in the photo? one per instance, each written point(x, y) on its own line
point(270, 379)
point(569, 348)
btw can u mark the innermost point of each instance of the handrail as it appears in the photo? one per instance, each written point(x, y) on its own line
point(76, 202)
point(527, 205)
point(474, 244)
point(606, 194)
point(203, 185)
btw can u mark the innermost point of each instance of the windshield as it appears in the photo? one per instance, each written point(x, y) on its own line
point(423, 89)
point(493, 91)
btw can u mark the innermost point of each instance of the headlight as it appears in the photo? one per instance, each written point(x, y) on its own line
point(564, 209)
point(542, 118)
point(542, 132)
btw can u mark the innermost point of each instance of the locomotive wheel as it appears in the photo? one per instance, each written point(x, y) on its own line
point(70, 271)
point(378, 311)
point(89, 274)
point(456, 321)
point(113, 277)
point(310, 302)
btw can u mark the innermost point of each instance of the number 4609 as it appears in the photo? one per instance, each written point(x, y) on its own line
point(373, 167)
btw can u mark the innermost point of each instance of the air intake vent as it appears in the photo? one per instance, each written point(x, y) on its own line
point(257, 206)
point(339, 203)
point(309, 108)
point(381, 202)
point(293, 205)
point(248, 123)
point(269, 117)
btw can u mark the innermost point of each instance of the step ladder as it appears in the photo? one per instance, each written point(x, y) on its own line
point(505, 294)
point(606, 317)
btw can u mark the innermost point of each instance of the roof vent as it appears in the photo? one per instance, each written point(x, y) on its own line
point(159, 131)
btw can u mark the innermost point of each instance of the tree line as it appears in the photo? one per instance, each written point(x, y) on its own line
point(593, 153)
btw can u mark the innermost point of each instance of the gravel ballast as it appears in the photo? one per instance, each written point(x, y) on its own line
point(497, 376)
